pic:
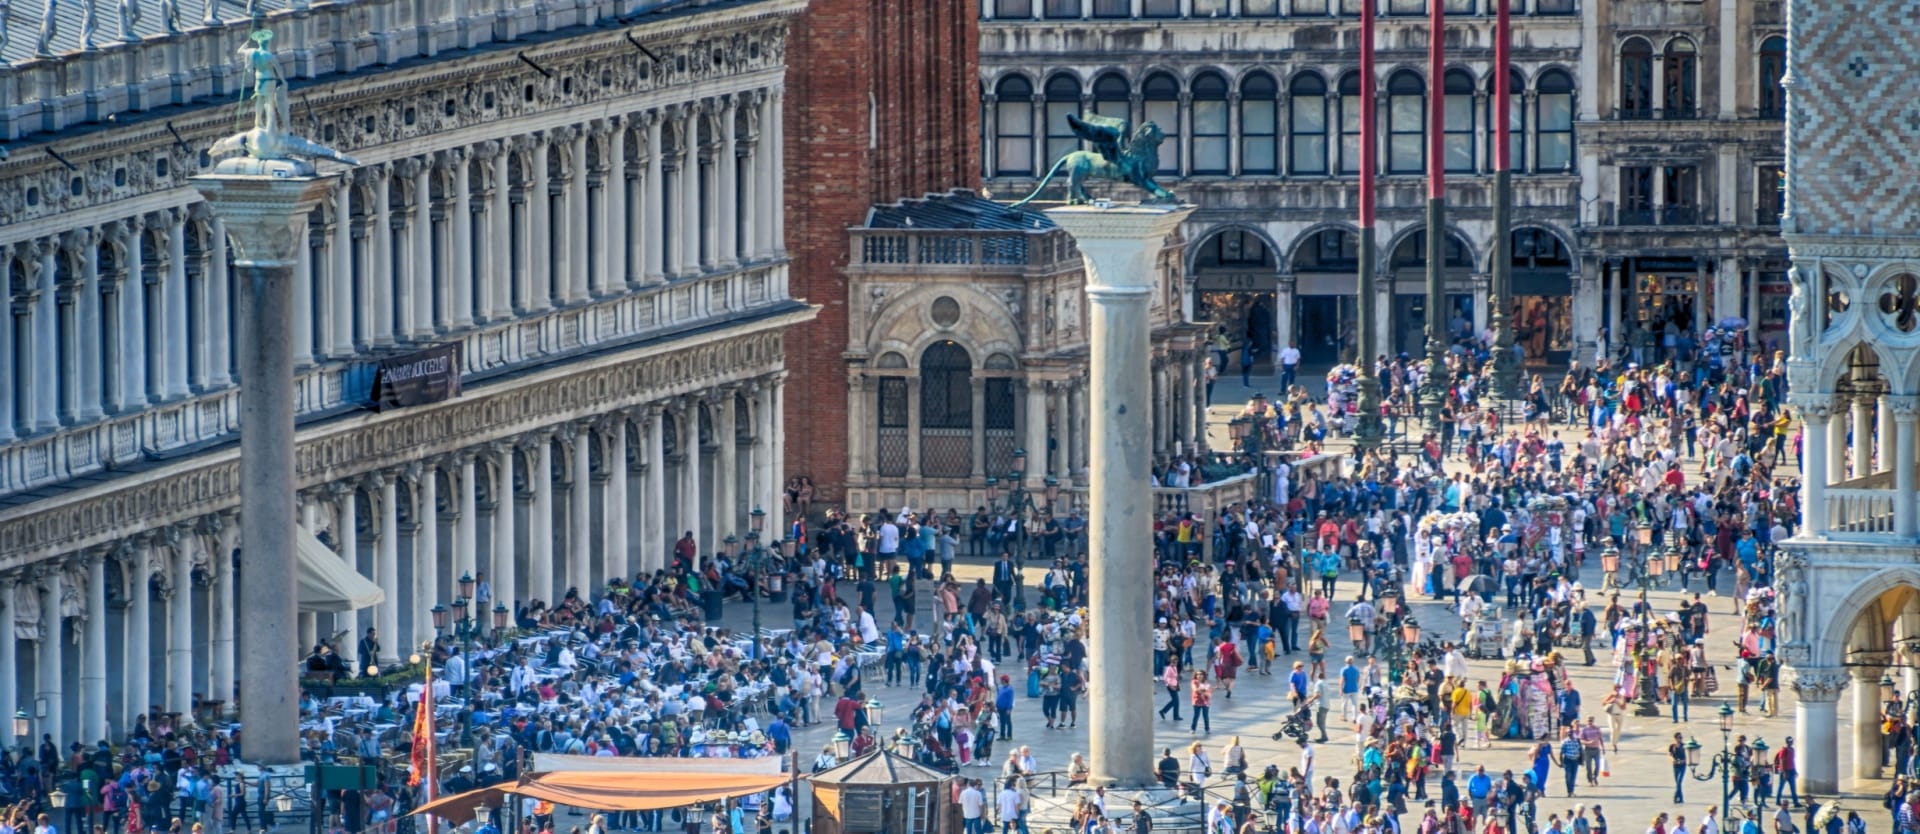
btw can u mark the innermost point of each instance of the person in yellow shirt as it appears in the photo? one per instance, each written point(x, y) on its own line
point(1462, 710)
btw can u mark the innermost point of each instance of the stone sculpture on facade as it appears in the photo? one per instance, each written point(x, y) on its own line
point(49, 27)
point(1119, 153)
point(130, 17)
point(89, 24)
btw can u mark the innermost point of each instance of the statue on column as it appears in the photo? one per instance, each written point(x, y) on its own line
point(130, 17)
point(268, 138)
point(26, 611)
point(49, 28)
point(73, 593)
point(1799, 317)
point(1120, 152)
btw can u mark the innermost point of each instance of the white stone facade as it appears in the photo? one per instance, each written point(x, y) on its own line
point(593, 215)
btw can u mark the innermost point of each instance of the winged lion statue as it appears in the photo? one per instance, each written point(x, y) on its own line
point(1120, 152)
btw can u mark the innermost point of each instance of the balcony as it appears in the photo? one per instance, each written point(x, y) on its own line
point(1658, 216)
point(1655, 114)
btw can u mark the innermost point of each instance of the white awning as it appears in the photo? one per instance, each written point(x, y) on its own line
point(327, 582)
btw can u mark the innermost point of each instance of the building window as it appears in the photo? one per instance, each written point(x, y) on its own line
point(1636, 196)
point(946, 412)
point(1063, 98)
point(1516, 122)
point(1234, 247)
point(1210, 124)
point(1636, 79)
point(1013, 127)
point(1259, 8)
point(1680, 68)
point(1002, 410)
point(1554, 7)
point(1406, 124)
point(891, 462)
point(1162, 95)
point(1112, 8)
point(1210, 8)
point(1160, 8)
point(1681, 184)
point(1349, 101)
point(1013, 8)
point(1769, 195)
point(1063, 8)
point(1407, 7)
point(1554, 97)
point(1539, 249)
point(1301, 7)
point(1259, 124)
point(1330, 250)
point(1458, 102)
point(1773, 67)
point(1112, 97)
point(1307, 124)
point(1460, 6)
point(1352, 8)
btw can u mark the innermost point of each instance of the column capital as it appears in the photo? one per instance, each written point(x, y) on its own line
point(489, 149)
point(1817, 408)
point(452, 157)
point(1816, 684)
point(342, 490)
point(80, 238)
point(414, 166)
point(378, 479)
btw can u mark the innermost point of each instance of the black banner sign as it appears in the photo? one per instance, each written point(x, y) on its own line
point(418, 378)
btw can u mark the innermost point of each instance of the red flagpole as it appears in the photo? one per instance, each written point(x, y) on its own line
point(1502, 91)
point(1366, 122)
point(1436, 103)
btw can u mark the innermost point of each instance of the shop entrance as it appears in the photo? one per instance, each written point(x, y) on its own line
point(1234, 282)
point(1327, 325)
point(1542, 314)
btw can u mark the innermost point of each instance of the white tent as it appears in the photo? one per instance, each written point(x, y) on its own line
point(327, 582)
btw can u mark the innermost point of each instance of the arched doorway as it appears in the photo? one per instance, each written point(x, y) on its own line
point(1408, 265)
point(1326, 268)
point(1234, 282)
point(946, 411)
point(1542, 313)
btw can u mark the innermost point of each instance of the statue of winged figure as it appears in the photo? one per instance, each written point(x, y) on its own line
point(1120, 152)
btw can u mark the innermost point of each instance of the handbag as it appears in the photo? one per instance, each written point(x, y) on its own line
point(1713, 681)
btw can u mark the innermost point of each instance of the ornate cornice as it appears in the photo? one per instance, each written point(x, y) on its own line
point(371, 445)
point(1819, 685)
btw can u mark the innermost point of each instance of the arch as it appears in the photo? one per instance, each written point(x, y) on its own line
point(1307, 82)
point(1112, 95)
point(1461, 255)
point(892, 360)
point(1196, 253)
point(1560, 239)
point(1772, 93)
point(1828, 639)
point(1257, 82)
point(1208, 83)
point(1311, 250)
point(1061, 81)
point(1680, 75)
point(1160, 84)
point(902, 323)
point(946, 411)
point(1160, 96)
point(1636, 78)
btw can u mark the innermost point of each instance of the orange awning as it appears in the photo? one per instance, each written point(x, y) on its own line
point(609, 791)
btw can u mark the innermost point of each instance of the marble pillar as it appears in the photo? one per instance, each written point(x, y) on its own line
point(1863, 425)
point(580, 505)
point(1867, 753)
point(93, 672)
point(539, 211)
point(339, 335)
point(1816, 727)
point(466, 544)
point(226, 585)
point(180, 623)
point(387, 570)
point(615, 507)
point(575, 189)
point(1904, 412)
point(651, 190)
point(727, 169)
point(655, 532)
point(50, 658)
point(505, 507)
point(346, 543)
point(426, 549)
point(1837, 433)
point(382, 274)
point(726, 496)
point(137, 658)
point(1120, 245)
point(690, 495)
point(9, 650)
point(540, 524)
point(1817, 424)
point(619, 240)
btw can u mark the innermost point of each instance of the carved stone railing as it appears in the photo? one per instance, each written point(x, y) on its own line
point(489, 350)
point(948, 252)
point(314, 40)
point(1864, 512)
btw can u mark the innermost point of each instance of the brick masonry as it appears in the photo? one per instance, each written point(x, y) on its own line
point(882, 104)
point(1853, 121)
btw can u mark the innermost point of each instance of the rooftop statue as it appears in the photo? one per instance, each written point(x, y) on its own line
point(268, 138)
point(1119, 153)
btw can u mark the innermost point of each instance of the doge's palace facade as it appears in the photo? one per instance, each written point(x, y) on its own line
point(582, 198)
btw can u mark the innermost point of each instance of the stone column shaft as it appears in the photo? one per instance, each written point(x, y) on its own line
point(505, 547)
point(654, 556)
point(1814, 449)
point(50, 660)
point(615, 507)
point(619, 240)
point(339, 333)
point(499, 271)
point(180, 629)
point(346, 542)
point(133, 324)
point(461, 259)
point(726, 482)
point(539, 209)
point(387, 569)
point(1867, 740)
point(93, 675)
point(426, 552)
point(651, 190)
point(137, 657)
point(9, 649)
point(91, 389)
point(1837, 433)
point(690, 495)
point(1120, 245)
point(225, 585)
point(580, 503)
point(466, 544)
point(540, 525)
point(727, 170)
point(1862, 437)
point(1816, 728)
point(175, 300)
point(576, 191)
point(382, 274)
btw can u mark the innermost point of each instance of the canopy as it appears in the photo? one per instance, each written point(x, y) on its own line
point(608, 791)
point(327, 582)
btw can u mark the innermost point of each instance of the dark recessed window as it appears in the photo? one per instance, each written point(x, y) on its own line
point(120, 178)
point(160, 167)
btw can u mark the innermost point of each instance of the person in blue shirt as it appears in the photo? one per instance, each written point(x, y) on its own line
point(1569, 702)
point(1003, 706)
point(1570, 757)
point(781, 734)
point(1479, 787)
point(1350, 685)
point(1297, 683)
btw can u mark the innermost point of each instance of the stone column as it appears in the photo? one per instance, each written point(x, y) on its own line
point(766, 491)
point(180, 623)
point(778, 174)
point(496, 276)
point(1862, 463)
point(727, 167)
point(93, 672)
point(1157, 423)
point(303, 317)
point(339, 335)
point(132, 319)
point(1883, 433)
point(174, 299)
point(752, 192)
point(1816, 727)
point(575, 189)
point(540, 523)
point(580, 504)
point(346, 543)
point(1062, 436)
point(460, 260)
point(1904, 411)
point(265, 205)
point(618, 238)
point(1036, 431)
point(88, 315)
point(615, 506)
point(654, 247)
point(653, 525)
point(9, 647)
point(226, 536)
point(387, 570)
point(137, 658)
point(539, 209)
point(505, 505)
point(768, 188)
point(913, 428)
point(1867, 740)
point(779, 459)
point(426, 547)
point(1837, 441)
point(466, 543)
point(1120, 245)
point(420, 239)
point(726, 482)
point(979, 423)
point(712, 199)
point(1077, 403)
point(46, 397)
point(1815, 412)
point(686, 193)
point(382, 273)
point(690, 494)
point(51, 657)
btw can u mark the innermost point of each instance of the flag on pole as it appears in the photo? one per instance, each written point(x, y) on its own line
point(421, 759)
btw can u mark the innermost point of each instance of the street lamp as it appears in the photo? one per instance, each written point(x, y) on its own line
point(1610, 563)
point(1019, 461)
point(466, 585)
point(874, 714)
point(1722, 762)
point(842, 745)
point(1053, 491)
point(993, 490)
point(500, 614)
point(1762, 772)
point(22, 725)
point(1887, 689)
point(57, 799)
point(439, 618)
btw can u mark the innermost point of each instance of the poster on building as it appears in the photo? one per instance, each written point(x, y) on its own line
point(417, 378)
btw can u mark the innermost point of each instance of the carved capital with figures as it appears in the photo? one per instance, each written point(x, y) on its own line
point(1820, 685)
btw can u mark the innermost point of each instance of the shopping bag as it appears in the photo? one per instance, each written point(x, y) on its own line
point(1603, 766)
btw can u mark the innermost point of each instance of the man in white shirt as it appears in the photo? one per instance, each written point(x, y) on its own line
point(972, 803)
point(889, 538)
point(1289, 364)
point(1009, 807)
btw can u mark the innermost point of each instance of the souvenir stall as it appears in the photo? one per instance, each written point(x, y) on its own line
point(883, 792)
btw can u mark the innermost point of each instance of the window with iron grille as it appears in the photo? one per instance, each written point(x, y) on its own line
point(1001, 416)
point(892, 459)
point(946, 412)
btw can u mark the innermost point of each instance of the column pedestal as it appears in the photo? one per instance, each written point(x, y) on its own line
point(1816, 727)
point(264, 205)
point(1120, 244)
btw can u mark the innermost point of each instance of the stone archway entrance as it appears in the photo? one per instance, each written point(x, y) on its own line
point(1868, 638)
